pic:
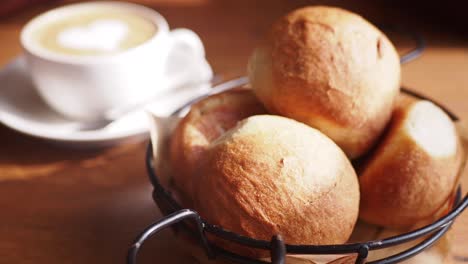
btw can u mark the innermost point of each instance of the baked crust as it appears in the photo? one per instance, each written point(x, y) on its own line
point(273, 175)
point(331, 69)
point(403, 182)
point(206, 121)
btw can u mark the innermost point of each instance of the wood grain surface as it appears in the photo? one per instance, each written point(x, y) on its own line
point(62, 205)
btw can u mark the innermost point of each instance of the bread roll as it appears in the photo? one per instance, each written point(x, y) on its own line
point(273, 175)
point(413, 170)
point(206, 121)
point(331, 69)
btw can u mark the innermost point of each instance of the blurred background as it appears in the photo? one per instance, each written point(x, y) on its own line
point(449, 15)
point(241, 23)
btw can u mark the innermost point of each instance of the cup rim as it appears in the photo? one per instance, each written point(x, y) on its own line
point(38, 51)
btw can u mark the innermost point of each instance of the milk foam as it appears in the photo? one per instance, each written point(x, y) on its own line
point(104, 35)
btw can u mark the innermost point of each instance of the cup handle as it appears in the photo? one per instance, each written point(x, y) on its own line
point(186, 59)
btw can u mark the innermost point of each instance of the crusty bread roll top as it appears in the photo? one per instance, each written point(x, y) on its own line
point(206, 121)
point(331, 69)
point(273, 175)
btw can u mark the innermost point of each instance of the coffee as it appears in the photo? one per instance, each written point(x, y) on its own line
point(101, 31)
point(88, 59)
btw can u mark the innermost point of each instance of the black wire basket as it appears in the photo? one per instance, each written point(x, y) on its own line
point(174, 215)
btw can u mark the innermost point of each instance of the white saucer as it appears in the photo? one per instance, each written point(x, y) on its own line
point(22, 109)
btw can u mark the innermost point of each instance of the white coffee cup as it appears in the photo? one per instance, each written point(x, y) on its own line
point(85, 87)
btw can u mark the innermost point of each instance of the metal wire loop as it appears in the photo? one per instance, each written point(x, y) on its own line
point(414, 53)
point(419, 42)
point(165, 222)
point(278, 250)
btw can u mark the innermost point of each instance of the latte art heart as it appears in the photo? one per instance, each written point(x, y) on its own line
point(100, 31)
point(104, 35)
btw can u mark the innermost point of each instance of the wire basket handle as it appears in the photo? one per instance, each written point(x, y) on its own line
point(166, 222)
point(415, 52)
point(278, 248)
point(419, 43)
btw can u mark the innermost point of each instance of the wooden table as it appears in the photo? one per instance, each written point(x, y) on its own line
point(61, 205)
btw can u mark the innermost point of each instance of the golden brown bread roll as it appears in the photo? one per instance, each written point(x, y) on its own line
point(273, 175)
point(413, 170)
point(331, 69)
point(206, 121)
